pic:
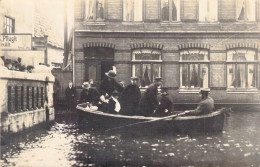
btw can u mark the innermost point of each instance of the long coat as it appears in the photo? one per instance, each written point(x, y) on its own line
point(70, 95)
point(205, 106)
point(149, 102)
point(129, 99)
point(108, 87)
point(90, 95)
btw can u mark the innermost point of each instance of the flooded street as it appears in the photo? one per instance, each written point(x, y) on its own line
point(68, 143)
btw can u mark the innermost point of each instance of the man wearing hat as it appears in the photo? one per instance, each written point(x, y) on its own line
point(206, 104)
point(165, 104)
point(89, 94)
point(109, 84)
point(130, 97)
point(70, 94)
point(149, 102)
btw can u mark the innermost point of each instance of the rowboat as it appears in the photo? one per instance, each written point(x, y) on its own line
point(209, 123)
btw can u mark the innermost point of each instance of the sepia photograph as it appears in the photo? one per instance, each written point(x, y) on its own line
point(129, 83)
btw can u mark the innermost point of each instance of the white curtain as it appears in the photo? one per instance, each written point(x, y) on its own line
point(138, 10)
point(250, 10)
point(208, 10)
point(128, 10)
point(240, 4)
point(89, 9)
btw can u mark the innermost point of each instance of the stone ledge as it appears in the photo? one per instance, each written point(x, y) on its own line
point(9, 74)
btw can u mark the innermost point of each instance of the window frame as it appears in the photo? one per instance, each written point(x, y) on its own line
point(199, 10)
point(189, 62)
point(178, 19)
point(9, 29)
point(246, 19)
point(95, 12)
point(131, 21)
point(141, 62)
point(247, 89)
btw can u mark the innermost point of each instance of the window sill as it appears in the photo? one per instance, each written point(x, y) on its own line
point(94, 23)
point(132, 22)
point(246, 22)
point(235, 90)
point(177, 24)
point(189, 90)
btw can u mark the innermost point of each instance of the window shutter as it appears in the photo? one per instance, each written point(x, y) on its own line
point(189, 10)
point(79, 9)
point(114, 9)
point(227, 10)
point(152, 10)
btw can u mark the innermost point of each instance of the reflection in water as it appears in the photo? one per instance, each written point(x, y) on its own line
point(68, 143)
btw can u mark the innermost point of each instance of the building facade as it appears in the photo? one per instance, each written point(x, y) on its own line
point(191, 44)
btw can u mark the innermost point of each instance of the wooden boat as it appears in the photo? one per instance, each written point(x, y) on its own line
point(212, 122)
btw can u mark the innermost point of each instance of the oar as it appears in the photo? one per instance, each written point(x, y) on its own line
point(144, 122)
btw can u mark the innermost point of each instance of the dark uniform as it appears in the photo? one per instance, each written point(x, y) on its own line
point(70, 94)
point(206, 106)
point(149, 102)
point(165, 107)
point(129, 99)
point(90, 95)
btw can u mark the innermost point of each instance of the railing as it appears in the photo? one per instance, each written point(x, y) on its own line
point(25, 98)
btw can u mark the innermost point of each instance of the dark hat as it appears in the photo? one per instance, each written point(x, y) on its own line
point(115, 92)
point(134, 78)
point(158, 79)
point(111, 74)
point(204, 90)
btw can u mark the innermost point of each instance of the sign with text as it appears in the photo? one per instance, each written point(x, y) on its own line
point(15, 42)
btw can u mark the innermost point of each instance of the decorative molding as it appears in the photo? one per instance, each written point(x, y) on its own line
point(218, 88)
point(194, 45)
point(98, 44)
point(146, 45)
point(242, 45)
point(122, 51)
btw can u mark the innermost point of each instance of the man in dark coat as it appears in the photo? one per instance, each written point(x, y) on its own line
point(205, 106)
point(70, 94)
point(149, 101)
point(89, 94)
point(165, 104)
point(109, 84)
point(130, 97)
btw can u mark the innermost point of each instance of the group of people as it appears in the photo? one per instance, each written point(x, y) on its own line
point(113, 97)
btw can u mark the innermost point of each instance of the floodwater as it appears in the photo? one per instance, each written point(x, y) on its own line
point(68, 143)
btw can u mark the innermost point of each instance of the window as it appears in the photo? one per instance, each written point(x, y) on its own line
point(241, 68)
point(246, 10)
point(9, 25)
point(194, 68)
point(208, 10)
point(133, 10)
point(146, 65)
point(94, 10)
point(170, 10)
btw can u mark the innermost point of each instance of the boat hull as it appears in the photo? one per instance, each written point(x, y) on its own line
point(97, 120)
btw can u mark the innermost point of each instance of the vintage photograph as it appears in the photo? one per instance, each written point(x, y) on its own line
point(129, 83)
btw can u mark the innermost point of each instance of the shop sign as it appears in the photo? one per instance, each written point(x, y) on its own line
point(15, 42)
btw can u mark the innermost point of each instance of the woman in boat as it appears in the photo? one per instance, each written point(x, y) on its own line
point(109, 84)
point(149, 102)
point(205, 106)
point(165, 106)
point(130, 97)
point(70, 94)
point(89, 94)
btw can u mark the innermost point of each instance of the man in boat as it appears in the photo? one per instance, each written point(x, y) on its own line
point(130, 97)
point(113, 104)
point(109, 84)
point(165, 106)
point(89, 94)
point(149, 102)
point(205, 106)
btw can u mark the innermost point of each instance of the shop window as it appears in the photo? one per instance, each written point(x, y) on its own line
point(208, 10)
point(194, 68)
point(170, 10)
point(146, 65)
point(9, 25)
point(241, 69)
point(133, 10)
point(94, 10)
point(246, 10)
